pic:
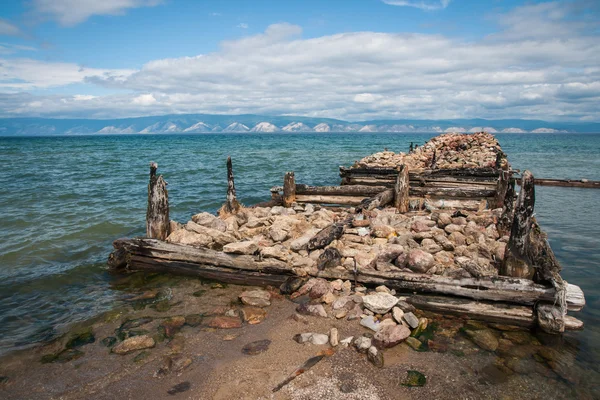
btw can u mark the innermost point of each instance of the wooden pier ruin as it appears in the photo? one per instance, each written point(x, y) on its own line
point(441, 224)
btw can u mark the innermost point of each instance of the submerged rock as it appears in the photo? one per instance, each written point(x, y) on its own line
point(257, 298)
point(257, 347)
point(133, 344)
point(414, 378)
point(253, 315)
point(222, 322)
point(483, 338)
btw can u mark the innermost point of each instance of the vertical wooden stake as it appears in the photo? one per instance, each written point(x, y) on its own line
point(401, 190)
point(505, 222)
point(501, 187)
point(289, 189)
point(157, 214)
point(516, 261)
point(232, 206)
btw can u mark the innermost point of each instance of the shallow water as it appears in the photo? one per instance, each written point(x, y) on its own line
point(64, 199)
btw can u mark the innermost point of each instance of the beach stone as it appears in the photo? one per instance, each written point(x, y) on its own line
point(337, 284)
point(301, 242)
point(404, 306)
point(319, 288)
point(278, 232)
point(390, 252)
point(278, 252)
point(411, 320)
point(179, 388)
point(362, 344)
point(414, 379)
point(458, 238)
point(193, 320)
point(183, 236)
point(483, 338)
point(245, 247)
point(390, 336)
point(423, 322)
point(223, 322)
point(257, 347)
point(253, 315)
point(172, 325)
point(453, 228)
point(210, 221)
point(319, 339)
point(383, 231)
point(474, 268)
point(382, 289)
point(397, 314)
point(444, 220)
point(81, 339)
point(375, 357)
point(414, 343)
point(316, 310)
point(334, 337)
point(347, 341)
point(379, 303)
point(369, 322)
point(420, 226)
point(257, 298)
point(420, 261)
point(133, 344)
point(365, 260)
point(328, 298)
point(341, 302)
point(218, 237)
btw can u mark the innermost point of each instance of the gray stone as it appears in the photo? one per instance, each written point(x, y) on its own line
point(375, 357)
point(362, 344)
point(379, 303)
point(369, 322)
point(257, 298)
point(312, 309)
point(245, 247)
point(411, 320)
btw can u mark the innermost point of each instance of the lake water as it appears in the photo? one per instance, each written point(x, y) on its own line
point(64, 199)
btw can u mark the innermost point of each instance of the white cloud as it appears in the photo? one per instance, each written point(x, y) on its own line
point(144, 100)
point(243, 25)
point(6, 28)
point(360, 75)
point(20, 74)
point(423, 5)
point(73, 12)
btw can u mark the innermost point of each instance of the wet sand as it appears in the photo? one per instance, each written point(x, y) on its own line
point(208, 363)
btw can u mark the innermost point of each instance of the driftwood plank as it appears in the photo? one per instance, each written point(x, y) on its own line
point(330, 199)
point(401, 190)
point(289, 189)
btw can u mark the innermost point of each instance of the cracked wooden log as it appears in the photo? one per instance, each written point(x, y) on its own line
point(501, 313)
point(150, 254)
point(501, 187)
point(327, 235)
point(380, 200)
point(157, 213)
point(401, 190)
point(505, 221)
point(232, 206)
point(517, 263)
point(289, 189)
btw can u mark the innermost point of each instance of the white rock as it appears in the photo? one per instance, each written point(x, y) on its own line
point(334, 337)
point(380, 303)
point(397, 314)
point(369, 322)
point(319, 338)
point(346, 342)
point(246, 247)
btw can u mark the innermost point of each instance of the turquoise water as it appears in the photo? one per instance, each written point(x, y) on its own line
point(64, 199)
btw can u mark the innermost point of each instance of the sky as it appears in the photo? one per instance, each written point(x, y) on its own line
point(347, 59)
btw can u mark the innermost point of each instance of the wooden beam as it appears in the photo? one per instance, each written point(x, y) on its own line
point(353, 190)
point(401, 190)
point(157, 213)
point(323, 199)
point(289, 189)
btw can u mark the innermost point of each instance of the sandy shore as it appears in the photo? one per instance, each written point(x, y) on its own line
point(203, 362)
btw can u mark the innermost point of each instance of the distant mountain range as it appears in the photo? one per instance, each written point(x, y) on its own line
point(209, 123)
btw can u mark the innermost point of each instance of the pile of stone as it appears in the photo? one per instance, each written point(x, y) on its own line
point(389, 319)
point(454, 244)
point(452, 151)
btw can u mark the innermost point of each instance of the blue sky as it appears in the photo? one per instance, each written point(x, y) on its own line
point(353, 59)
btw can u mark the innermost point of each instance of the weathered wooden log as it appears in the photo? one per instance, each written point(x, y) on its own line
point(499, 288)
point(577, 183)
point(452, 192)
point(380, 200)
point(232, 206)
point(550, 318)
point(516, 262)
point(355, 190)
point(324, 199)
point(271, 203)
point(501, 187)
point(401, 190)
point(389, 181)
point(495, 312)
point(327, 235)
point(289, 189)
point(445, 204)
point(505, 221)
point(157, 214)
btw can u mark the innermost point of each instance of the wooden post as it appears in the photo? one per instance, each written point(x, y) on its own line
point(157, 214)
point(516, 262)
point(289, 189)
point(401, 190)
point(505, 222)
point(232, 206)
point(501, 187)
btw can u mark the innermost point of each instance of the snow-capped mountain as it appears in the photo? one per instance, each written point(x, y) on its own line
point(296, 127)
point(198, 127)
point(546, 130)
point(455, 129)
point(264, 127)
point(322, 127)
point(513, 130)
point(113, 129)
point(160, 127)
point(236, 127)
point(368, 128)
